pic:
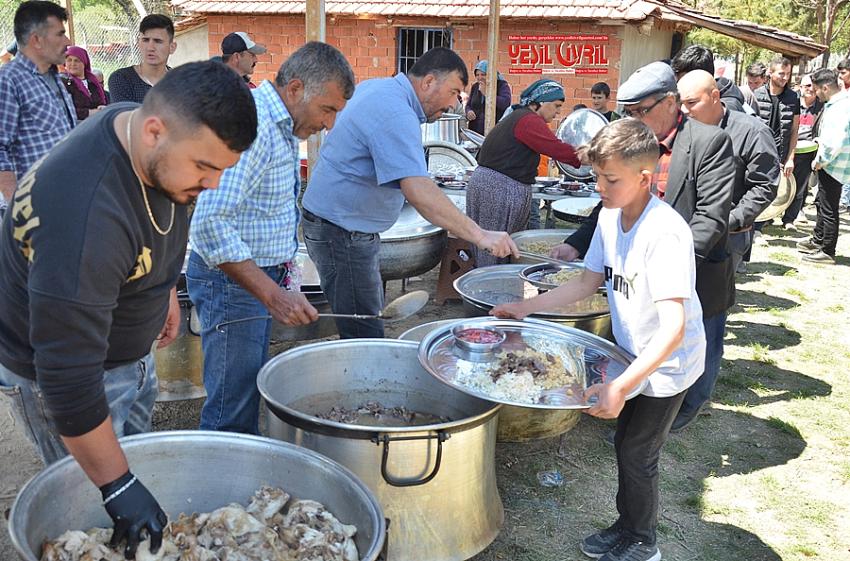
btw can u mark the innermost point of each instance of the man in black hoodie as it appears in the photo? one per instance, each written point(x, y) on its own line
point(697, 57)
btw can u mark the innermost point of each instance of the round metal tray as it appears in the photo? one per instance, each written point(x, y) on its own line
point(577, 129)
point(535, 274)
point(575, 209)
point(601, 361)
point(552, 236)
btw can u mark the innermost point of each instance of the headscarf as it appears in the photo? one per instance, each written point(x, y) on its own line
point(482, 65)
point(81, 54)
point(542, 91)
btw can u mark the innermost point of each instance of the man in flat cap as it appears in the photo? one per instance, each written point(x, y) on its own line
point(239, 52)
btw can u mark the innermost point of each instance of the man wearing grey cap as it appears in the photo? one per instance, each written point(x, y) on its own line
point(239, 52)
point(696, 176)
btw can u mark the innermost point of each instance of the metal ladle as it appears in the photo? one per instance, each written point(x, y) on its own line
point(401, 308)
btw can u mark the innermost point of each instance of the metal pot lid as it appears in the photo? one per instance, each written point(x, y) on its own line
point(410, 225)
point(445, 157)
point(548, 236)
point(501, 284)
point(587, 358)
point(578, 129)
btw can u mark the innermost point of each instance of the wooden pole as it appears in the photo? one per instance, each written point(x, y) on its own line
point(70, 9)
point(314, 19)
point(492, 66)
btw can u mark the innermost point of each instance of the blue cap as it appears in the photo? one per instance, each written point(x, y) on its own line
point(654, 78)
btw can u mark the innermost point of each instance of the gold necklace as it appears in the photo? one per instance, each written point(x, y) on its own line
point(156, 227)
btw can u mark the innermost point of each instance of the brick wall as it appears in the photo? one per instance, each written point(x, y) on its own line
point(370, 45)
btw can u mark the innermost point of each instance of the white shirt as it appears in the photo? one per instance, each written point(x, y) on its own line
point(651, 262)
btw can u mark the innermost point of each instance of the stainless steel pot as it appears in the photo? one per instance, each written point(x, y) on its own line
point(436, 482)
point(445, 129)
point(516, 424)
point(481, 289)
point(180, 365)
point(195, 471)
point(412, 246)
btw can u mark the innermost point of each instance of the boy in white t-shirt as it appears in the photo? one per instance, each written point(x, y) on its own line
point(642, 250)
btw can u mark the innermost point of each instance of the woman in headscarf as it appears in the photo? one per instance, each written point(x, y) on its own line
point(477, 99)
point(498, 196)
point(84, 87)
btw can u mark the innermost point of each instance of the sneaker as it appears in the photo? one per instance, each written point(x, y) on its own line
point(808, 246)
point(789, 226)
point(819, 257)
point(681, 422)
point(758, 238)
point(601, 542)
point(630, 550)
point(742, 268)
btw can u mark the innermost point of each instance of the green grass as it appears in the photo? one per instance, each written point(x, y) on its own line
point(799, 294)
point(784, 426)
point(761, 353)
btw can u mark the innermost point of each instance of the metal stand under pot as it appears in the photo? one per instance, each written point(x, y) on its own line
point(436, 482)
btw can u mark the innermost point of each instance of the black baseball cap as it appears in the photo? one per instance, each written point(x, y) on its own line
point(238, 42)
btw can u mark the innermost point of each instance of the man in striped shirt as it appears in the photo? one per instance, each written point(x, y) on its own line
point(243, 235)
point(832, 164)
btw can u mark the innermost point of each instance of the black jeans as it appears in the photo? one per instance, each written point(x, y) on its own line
point(826, 227)
point(642, 429)
point(802, 171)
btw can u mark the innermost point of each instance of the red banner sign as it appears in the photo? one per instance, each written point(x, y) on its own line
point(558, 54)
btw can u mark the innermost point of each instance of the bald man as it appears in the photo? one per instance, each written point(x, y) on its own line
point(756, 179)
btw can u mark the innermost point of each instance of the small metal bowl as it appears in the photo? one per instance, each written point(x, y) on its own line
point(537, 187)
point(473, 347)
point(454, 185)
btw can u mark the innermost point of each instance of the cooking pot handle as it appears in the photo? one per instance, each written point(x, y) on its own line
point(385, 439)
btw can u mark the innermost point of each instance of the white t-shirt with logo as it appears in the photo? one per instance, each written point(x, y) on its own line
point(651, 262)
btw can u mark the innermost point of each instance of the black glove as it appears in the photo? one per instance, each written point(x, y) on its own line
point(133, 509)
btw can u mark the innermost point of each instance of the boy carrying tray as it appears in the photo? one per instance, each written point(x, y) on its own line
point(642, 250)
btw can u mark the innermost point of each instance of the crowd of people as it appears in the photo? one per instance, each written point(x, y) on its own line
point(200, 154)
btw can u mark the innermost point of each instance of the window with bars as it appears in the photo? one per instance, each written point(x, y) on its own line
point(413, 42)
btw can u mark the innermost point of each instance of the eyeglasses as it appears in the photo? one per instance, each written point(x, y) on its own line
point(805, 85)
point(642, 112)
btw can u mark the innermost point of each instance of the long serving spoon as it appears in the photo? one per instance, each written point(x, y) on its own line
point(401, 308)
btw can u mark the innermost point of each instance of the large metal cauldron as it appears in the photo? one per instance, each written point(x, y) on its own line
point(445, 129)
point(180, 365)
point(436, 482)
point(483, 288)
point(412, 246)
point(195, 471)
point(516, 424)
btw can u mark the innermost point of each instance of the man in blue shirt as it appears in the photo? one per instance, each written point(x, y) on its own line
point(243, 235)
point(371, 162)
point(36, 110)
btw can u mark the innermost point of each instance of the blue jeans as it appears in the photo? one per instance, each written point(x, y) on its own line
point(845, 195)
point(699, 393)
point(349, 267)
point(234, 354)
point(131, 391)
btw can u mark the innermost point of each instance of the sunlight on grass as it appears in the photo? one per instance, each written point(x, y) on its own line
point(761, 354)
point(799, 294)
point(790, 273)
point(782, 257)
point(836, 308)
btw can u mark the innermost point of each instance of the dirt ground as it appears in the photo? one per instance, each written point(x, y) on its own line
point(763, 476)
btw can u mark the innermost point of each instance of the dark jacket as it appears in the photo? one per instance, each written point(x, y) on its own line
point(757, 168)
point(788, 108)
point(83, 103)
point(700, 185)
point(731, 95)
point(476, 104)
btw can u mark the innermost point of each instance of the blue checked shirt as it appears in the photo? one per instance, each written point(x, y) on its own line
point(33, 117)
point(253, 214)
point(834, 138)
